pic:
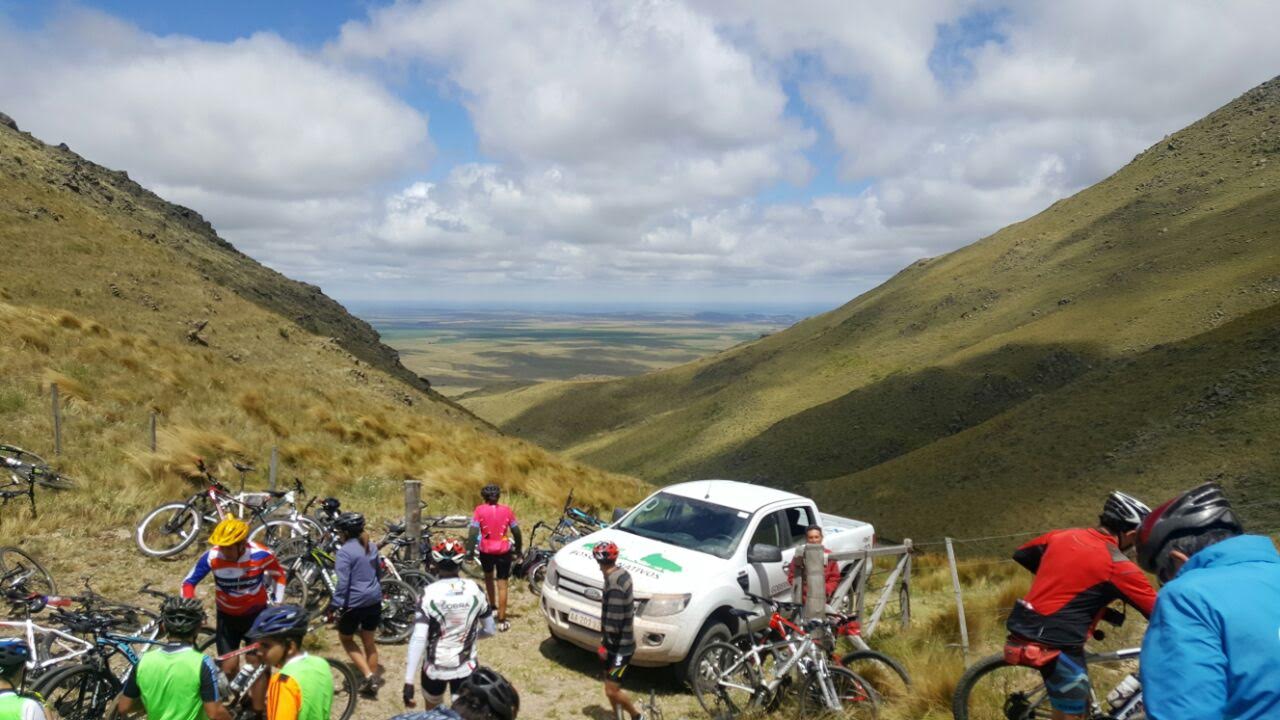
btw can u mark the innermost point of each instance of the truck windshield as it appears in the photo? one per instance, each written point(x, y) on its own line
point(687, 523)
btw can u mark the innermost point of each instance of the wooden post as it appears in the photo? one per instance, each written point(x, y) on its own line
point(153, 431)
point(815, 565)
point(271, 473)
point(955, 583)
point(413, 517)
point(904, 595)
point(864, 575)
point(57, 419)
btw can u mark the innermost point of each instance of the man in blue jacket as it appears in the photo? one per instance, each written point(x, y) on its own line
point(1212, 651)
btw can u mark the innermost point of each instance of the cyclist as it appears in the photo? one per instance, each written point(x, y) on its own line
point(14, 705)
point(302, 689)
point(357, 600)
point(830, 574)
point(490, 525)
point(241, 573)
point(1078, 572)
point(484, 695)
point(1211, 650)
point(453, 614)
point(175, 681)
point(617, 615)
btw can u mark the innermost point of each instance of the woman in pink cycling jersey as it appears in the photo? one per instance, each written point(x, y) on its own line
point(494, 528)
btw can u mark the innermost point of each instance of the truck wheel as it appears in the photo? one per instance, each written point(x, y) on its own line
point(713, 631)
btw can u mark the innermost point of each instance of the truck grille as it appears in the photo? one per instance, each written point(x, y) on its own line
point(582, 588)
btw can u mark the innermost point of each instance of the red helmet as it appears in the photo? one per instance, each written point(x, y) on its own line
point(605, 552)
point(450, 551)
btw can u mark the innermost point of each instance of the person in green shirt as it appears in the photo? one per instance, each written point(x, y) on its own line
point(303, 687)
point(175, 681)
point(14, 705)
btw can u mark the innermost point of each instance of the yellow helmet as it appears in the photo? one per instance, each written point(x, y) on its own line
point(229, 532)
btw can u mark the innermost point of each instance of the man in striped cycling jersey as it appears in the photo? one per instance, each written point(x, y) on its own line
point(247, 576)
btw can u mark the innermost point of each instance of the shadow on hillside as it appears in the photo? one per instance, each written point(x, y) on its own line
point(898, 414)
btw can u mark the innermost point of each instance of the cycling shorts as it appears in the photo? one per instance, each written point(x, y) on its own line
point(502, 563)
point(366, 618)
point(614, 666)
point(434, 689)
point(1067, 681)
point(229, 630)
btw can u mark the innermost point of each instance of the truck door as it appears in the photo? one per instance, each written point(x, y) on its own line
point(769, 579)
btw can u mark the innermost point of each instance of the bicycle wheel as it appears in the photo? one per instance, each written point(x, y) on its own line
point(536, 575)
point(399, 610)
point(886, 675)
point(853, 696)
point(275, 533)
point(168, 530)
point(725, 681)
point(345, 688)
point(297, 593)
point(994, 690)
point(417, 580)
point(20, 572)
point(79, 692)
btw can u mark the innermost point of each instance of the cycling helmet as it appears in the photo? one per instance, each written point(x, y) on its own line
point(490, 492)
point(14, 653)
point(1123, 512)
point(229, 532)
point(351, 523)
point(492, 690)
point(448, 552)
point(286, 620)
point(182, 616)
point(331, 505)
point(605, 552)
point(1193, 512)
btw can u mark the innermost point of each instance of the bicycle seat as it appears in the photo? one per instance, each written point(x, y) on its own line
point(277, 493)
point(397, 528)
point(742, 614)
point(242, 467)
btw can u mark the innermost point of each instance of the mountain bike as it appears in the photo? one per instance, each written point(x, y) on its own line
point(26, 470)
point(172, 527)
point(992, 689)
point(736, 678)
point(533, 565)
point(312, 581)
point(20, 574)
point(394, 544)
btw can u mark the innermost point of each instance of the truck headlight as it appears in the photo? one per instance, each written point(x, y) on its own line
point(663, 605)
point(552, 575)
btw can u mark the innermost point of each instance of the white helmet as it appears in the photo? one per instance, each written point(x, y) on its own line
point(1123, 512)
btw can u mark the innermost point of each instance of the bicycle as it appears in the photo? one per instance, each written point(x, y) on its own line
point(533, 566)
point(172, 527)
point(20, 573)
point(992, 689)
point(311, 576)
point(26, 471)
point(394, 544)
point(731, 680)
point(346, 686)
point(647, 707)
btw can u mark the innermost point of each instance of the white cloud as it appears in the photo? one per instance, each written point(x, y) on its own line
point(252, 118)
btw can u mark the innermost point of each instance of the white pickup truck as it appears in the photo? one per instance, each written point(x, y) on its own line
point(692, 550)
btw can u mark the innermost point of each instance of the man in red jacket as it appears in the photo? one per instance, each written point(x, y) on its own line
point(1079, 572)
point(831, 575)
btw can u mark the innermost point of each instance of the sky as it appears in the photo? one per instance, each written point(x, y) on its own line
point(691, 152)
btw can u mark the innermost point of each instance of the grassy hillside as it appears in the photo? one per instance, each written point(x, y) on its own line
point(102, 287)
point(1179, 243)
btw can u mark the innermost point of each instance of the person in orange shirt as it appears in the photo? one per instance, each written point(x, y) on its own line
point(302, 687)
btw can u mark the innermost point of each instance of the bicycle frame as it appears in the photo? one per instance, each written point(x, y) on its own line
point(74, 647)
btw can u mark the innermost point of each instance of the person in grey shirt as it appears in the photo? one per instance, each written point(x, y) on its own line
point(357, 600)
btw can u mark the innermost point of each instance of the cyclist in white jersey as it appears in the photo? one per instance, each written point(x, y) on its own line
point(455, 613)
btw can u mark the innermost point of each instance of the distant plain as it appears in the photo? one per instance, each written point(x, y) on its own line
point(472, 352)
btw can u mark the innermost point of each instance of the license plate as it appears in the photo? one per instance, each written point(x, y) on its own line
point(585, 620)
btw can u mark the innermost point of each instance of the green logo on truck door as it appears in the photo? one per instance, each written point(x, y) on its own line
point(653, 561)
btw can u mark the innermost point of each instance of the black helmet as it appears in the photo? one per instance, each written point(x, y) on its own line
point(1193, 512)
point(331, 505)
point(1123, 512)
point(14, 653)
point(492, 690)
point(351, 523)
point(490, 492)
point(182, 616)
point(287, 620)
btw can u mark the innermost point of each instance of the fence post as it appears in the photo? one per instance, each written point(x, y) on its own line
point(57, 419)
point(904, 595)
point(864, 575)
point(955, 582)
point(153, 431)
point(271, 472)
point(815, 566)
point(413, 517)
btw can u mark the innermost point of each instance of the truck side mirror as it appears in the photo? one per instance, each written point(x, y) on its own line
point(619, 513)
point(764, 553)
